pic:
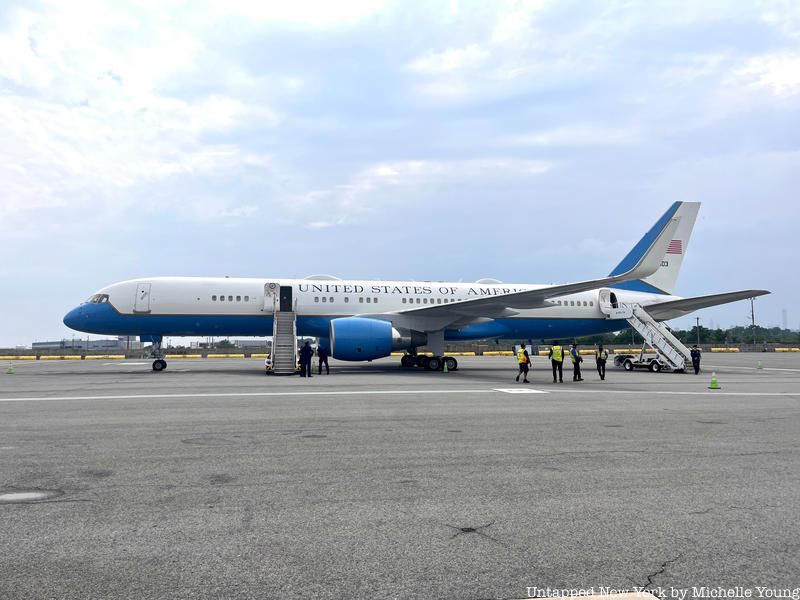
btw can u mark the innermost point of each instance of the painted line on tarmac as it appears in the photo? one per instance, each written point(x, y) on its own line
point(125, 364)
point(752, 368)
point(569, 390)
point(720, 392)
point(247, 395)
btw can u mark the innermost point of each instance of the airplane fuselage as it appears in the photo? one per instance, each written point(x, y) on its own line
point(226, 306)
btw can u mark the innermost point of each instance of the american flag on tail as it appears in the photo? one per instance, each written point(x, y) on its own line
point(675, 247)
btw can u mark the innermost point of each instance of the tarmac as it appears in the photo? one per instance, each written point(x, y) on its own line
point(212, 480)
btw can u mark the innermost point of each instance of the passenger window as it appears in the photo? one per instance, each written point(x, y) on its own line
point(438, 301)
point(222, 298)
point(238, 298)
point(585, 303)
point(230, 298)
point(331, 299)
point(361, 299)
point(404, 301)
point(316, 298)
point(247, 298)
point(369, 300)
point(324, 299)
point(591, 302)
point(572, 302)
point(375, 300)
point(424, 300)
point(213, 298)
point(346, 299)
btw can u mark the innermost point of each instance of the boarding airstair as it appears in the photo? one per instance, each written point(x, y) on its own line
point(284, 343)
point(671, 352)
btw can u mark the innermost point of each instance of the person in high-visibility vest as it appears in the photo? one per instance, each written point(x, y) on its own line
point(556, 356)
point(524, 361)
point(600, 357)
point(577, 359)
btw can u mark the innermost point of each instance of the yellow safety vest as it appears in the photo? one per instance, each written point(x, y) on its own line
point(558, 353)
point(573, 354)
point(521, 357)
point(602, 355)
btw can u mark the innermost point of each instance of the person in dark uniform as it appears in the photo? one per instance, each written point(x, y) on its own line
point(556, 356)
point(524, 361)
point(600, 357)
point(322, 354)
point(696, 359)
point(577, 359)
point(306, 352)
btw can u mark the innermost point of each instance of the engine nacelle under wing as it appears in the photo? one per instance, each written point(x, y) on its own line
point(356, 338)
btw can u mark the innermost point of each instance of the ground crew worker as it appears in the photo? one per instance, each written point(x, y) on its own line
point(556, 356)
point(322, 354)
point(306, 352)
point(524, 361)
point(601, 356)
point(577, 359)
point(696, 359)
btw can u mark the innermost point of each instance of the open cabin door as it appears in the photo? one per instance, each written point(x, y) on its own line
point(141, 303)
point(286, 298)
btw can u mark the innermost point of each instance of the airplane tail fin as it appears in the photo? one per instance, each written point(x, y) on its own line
point(662, 281)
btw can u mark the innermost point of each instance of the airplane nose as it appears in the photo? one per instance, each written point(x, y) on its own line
point(72, 318)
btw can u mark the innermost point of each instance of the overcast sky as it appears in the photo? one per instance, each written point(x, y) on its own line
point(530, 142)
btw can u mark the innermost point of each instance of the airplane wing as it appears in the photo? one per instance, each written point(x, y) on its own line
point(664, 311)
point(432, 318)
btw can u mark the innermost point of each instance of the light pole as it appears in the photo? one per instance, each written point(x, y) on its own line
point(698, 330)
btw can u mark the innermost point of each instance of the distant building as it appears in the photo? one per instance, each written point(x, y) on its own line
point(252, 343)
point(121, 343)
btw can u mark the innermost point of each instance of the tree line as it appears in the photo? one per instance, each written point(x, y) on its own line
point(733, 335)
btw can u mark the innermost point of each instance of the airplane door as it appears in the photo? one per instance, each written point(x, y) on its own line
point(286, 298)
point(271, 294)
point(604, 301)
point(142, 302)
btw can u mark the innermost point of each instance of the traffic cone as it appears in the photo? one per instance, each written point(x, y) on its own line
point(714, 382)
point(10, 370)
point(444, 366)
point(760, 365)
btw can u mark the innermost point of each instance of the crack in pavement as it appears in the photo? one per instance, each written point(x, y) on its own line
point(661, 570)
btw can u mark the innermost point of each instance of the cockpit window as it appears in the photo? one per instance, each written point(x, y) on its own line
point(98, 299)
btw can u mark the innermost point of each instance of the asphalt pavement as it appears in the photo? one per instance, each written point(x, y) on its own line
point(212, 480)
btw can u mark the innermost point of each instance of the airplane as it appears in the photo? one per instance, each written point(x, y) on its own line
point(362, 320)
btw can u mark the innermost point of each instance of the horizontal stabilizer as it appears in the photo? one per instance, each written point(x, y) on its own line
point(678, 308)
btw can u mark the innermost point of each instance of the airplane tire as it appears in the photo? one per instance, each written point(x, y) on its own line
point(159, 365)
point(452, 363)
point(408, 361)
point(434, 364)
point(424, 362)
point(628, 364)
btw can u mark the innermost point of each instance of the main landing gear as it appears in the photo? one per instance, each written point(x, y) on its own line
point(429, 363)
point(159, 364)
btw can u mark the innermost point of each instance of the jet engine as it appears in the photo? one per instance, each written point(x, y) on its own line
point(356, 338)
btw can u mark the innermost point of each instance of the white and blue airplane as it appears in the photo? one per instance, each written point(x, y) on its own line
point(365, 320)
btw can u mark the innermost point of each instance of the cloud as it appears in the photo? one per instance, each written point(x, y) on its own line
point(408, 183)
point(777, 72)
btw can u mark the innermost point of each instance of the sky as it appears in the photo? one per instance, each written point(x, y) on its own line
point(525, 141)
